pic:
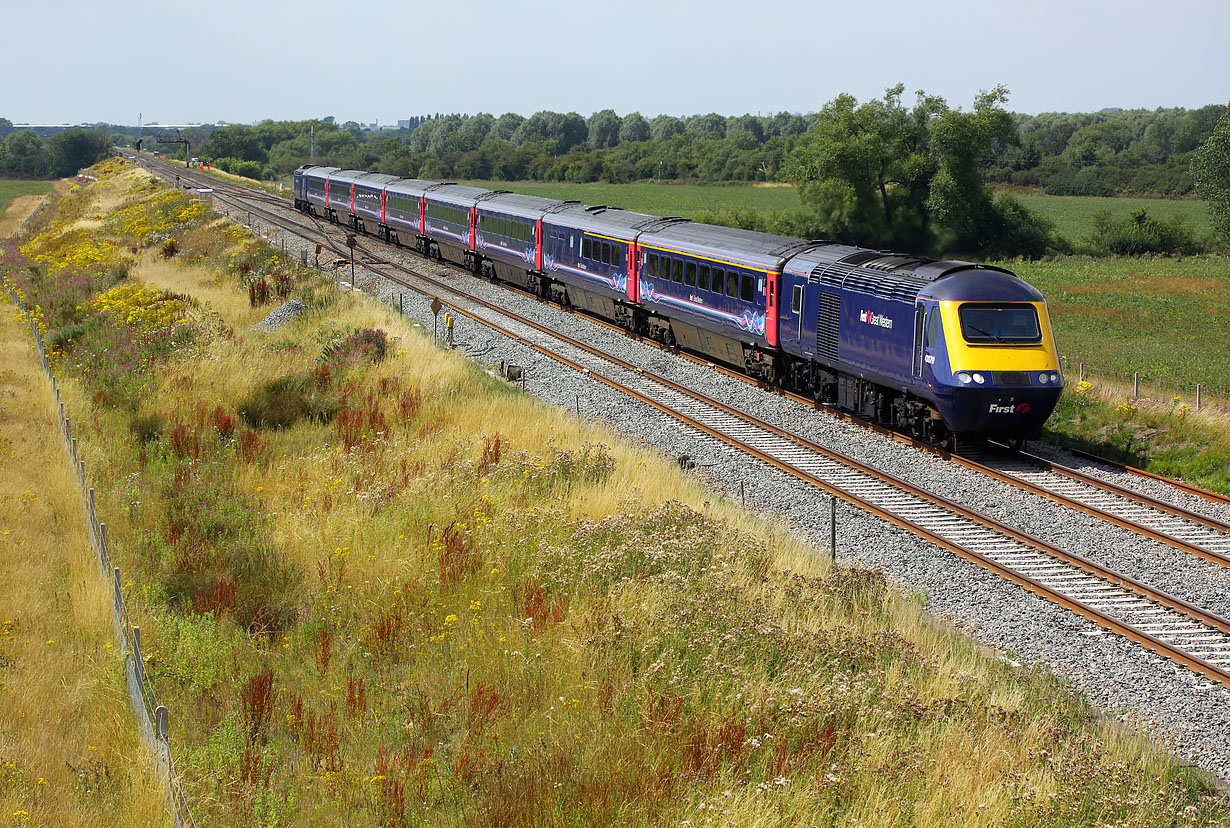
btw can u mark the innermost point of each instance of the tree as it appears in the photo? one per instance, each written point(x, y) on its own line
point(603, 128)
point(665, 127)
point(1211, 171)
point(712, 125)
point(76, 149)
point(881, 175)
point(6, 126)
point(865, 170)
point(633, 128)
point(23, 155)
point(506, 125)
point(1098, 142)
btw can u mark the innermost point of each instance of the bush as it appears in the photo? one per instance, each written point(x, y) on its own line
point(284, 401)
point(366, 345)
point(1136, 233)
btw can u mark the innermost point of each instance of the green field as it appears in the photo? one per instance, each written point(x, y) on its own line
point(659, 199)
point(1163, 317)
point(13, 188)
point(1073, 215)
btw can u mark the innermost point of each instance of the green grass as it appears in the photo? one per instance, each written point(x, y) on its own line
point(1073, 215)
point(1162, 317)
point(15, 188)
point(659, 199)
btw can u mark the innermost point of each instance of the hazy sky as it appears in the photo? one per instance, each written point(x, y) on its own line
point(182, 61)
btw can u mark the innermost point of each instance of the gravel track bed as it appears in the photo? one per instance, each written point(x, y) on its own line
point(1181, 709)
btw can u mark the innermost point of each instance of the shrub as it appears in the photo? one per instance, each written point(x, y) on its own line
point(147, 428)
point(1136, 233)
point(366, 345)
point(282, 402)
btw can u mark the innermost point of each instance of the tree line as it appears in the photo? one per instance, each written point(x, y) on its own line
point(23, 154)
point(880, 173)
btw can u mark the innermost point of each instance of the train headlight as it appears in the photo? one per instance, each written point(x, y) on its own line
point(979, 378)
point(1055, 378)
point(1043, 378)
point(964, 377)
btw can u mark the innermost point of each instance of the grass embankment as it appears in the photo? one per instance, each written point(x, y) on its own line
point(383, 588)
point(70, 752)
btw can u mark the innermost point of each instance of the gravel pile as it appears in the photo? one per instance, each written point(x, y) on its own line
point(1177, 707)
point(283, 315)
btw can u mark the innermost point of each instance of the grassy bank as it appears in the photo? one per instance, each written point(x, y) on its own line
point(381, 587)
point(70, 753)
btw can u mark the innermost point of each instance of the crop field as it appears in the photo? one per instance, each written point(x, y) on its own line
point(1073, 215)
point(379, 587)
point(660, 199)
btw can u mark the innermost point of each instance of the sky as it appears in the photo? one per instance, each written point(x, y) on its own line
point(202, 61)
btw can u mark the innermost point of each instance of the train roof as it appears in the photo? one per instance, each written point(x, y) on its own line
point(603, 219)
point(346, 175)
point(315, 170)
point(979, 283)
point(762, 251)
point(521, 205)
point(458, 193)
point(887, 275)
point(414, 186)
point(378, 180)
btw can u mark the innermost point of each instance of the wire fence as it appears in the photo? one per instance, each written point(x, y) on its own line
point(152, 716)
point(1142, 385)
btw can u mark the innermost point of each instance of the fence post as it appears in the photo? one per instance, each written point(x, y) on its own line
point(833, 528)
point(1135, 383)
point(1082, 370)
point(1197, 396)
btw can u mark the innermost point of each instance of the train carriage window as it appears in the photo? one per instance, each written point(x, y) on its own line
point(703, 284)
point(732, 283)
point(586, 247)
point(796, 299)
point(652, 268)
point(606, 252)
point(676, 270)
point(719, 280)
point(617, 255)
point(689, 274)
point(749, 288)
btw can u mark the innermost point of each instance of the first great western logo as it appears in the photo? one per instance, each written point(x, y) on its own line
point(877, 319)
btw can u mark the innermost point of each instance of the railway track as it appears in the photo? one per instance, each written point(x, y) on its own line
point(1177, 630)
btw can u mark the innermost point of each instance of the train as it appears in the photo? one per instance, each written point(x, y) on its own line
point(939, 350)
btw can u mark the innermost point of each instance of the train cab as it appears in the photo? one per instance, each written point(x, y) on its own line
point(985, 353)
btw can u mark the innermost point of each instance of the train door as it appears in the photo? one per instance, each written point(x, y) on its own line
point(792, 311)
point(920, 321)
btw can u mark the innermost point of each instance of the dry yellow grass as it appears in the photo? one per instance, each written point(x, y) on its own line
point(70, 753)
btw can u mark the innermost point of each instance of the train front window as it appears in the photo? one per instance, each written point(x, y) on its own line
point(1010, 324)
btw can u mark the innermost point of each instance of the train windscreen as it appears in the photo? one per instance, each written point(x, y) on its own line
point(986, 324)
